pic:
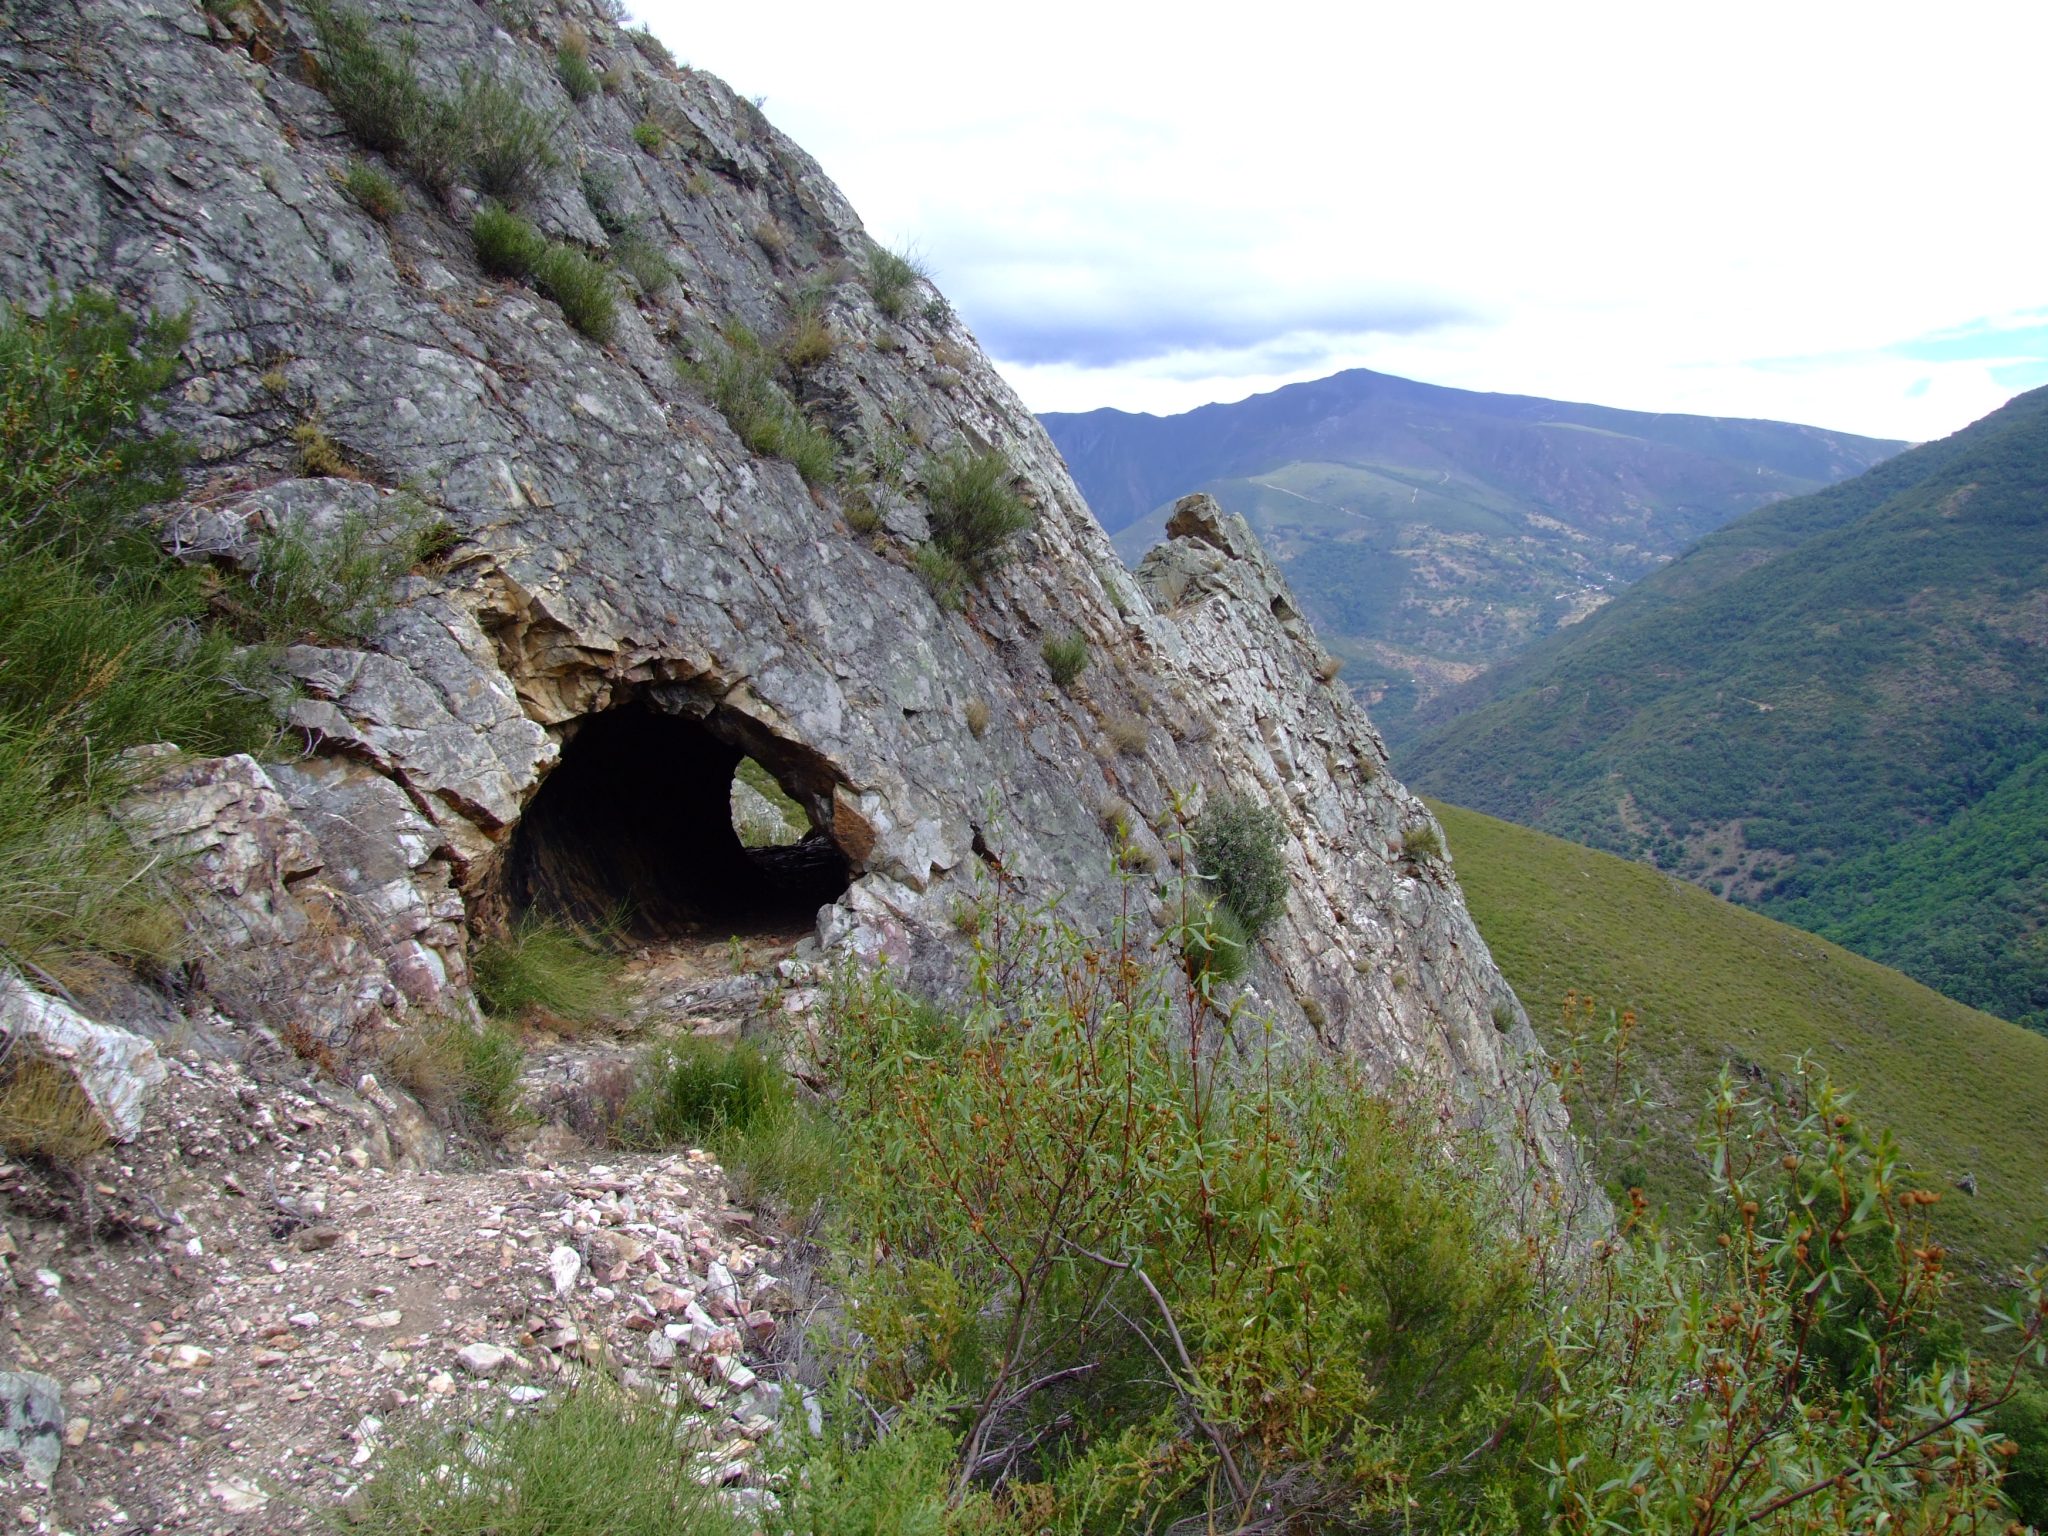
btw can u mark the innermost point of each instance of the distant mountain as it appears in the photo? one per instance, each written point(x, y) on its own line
point(1835, 709)
point(1430, 531)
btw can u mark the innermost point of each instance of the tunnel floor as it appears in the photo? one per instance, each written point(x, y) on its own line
point(633, 830)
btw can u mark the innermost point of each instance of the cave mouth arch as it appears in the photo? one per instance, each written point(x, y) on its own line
point(633, 831)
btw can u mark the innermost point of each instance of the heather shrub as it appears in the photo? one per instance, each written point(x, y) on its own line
point(1237, 847)
point(1066, 656)
point(975, 510)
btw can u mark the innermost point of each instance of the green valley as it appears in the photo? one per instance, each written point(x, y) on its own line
point(1836, 709)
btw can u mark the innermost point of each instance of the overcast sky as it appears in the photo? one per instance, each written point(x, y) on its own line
point(1815, 212)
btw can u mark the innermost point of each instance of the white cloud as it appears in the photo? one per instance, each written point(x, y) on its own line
point(1631, 204)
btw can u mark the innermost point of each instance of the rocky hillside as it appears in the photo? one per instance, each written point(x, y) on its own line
point(627, 599)
point(1430, 532)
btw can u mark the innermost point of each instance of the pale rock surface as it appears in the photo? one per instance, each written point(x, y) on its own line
point(114, 1068)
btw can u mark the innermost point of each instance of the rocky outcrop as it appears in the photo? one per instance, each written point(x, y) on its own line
point(618, 549)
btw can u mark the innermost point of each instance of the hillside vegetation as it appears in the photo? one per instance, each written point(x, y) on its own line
point(1835, 709)
point(1431, 531)
point(1715, 986)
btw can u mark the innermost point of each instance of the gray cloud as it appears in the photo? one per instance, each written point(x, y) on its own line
point(1145, 331)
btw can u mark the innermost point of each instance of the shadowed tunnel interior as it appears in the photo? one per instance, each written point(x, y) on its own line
point(635, 826)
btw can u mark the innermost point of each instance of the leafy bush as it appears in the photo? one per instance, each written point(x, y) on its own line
point(1160, 1292)
point(583, 287)
point(599, 1461)
point(976, 512)
point(1066, 656)
point(1237, 846)
point(507, 146)
point(506, 244)
point(650, 135)
point(893, 277)
point(372, 191)
point(740, 379)
point(540, 969)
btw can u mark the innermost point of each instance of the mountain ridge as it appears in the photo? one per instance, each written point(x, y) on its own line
point(1432, 531)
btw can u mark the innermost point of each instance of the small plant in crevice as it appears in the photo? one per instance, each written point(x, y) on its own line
point(43, 1111)
point(976, 713)
point(333, 585)
point(1066, 656)
point(1237, 846)
point(1129, 734)
point(651, 48)
point(893, 278)
point(809, 339)
point(689, 1089)
point(650, 135)
point(643, 261)
point(509, 246)
point(1420, 842)
point(317, 455)
point(975, 510)
point(372, 191)
point(739, 376)
point(572, 65)
point(943, 576)
point(583, 287)
point(506, 244)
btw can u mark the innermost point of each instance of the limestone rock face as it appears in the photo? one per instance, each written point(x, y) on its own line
point(619, 550)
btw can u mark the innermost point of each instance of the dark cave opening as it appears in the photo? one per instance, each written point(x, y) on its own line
point(634, 830)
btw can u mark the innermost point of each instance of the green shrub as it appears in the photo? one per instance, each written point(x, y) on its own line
point(644, 262)
point(541, 969)
point(104, 645)
point(572, 68)
point(507, 146)
point(331, 587)
point(598, 1461)
point(740, 379)
point(943, 576)
point(690, 1090)
point(810, 339)
point(893, 277)
point(372, 191)
point(583, 287)
point(506, 244)
point(976, 512)
point(374, 89)
point(1214, 944)
point(1237, 846)
point(650, 135)
point(1066, 656)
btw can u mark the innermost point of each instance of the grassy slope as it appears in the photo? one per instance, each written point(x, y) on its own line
point(1713, 984)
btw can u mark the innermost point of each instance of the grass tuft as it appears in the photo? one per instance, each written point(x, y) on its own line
point(943, 576)
point(44, 1113)
point(541, 970)
point(740, 379)
point(507, 146)
point(448, 1062)
point(1066, 656)
point(372, 191)
point(583, 287)
point(976, 512)
point(893, 278)
point(506, 244)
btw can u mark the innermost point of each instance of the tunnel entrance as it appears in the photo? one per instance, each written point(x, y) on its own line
point(635, 830)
